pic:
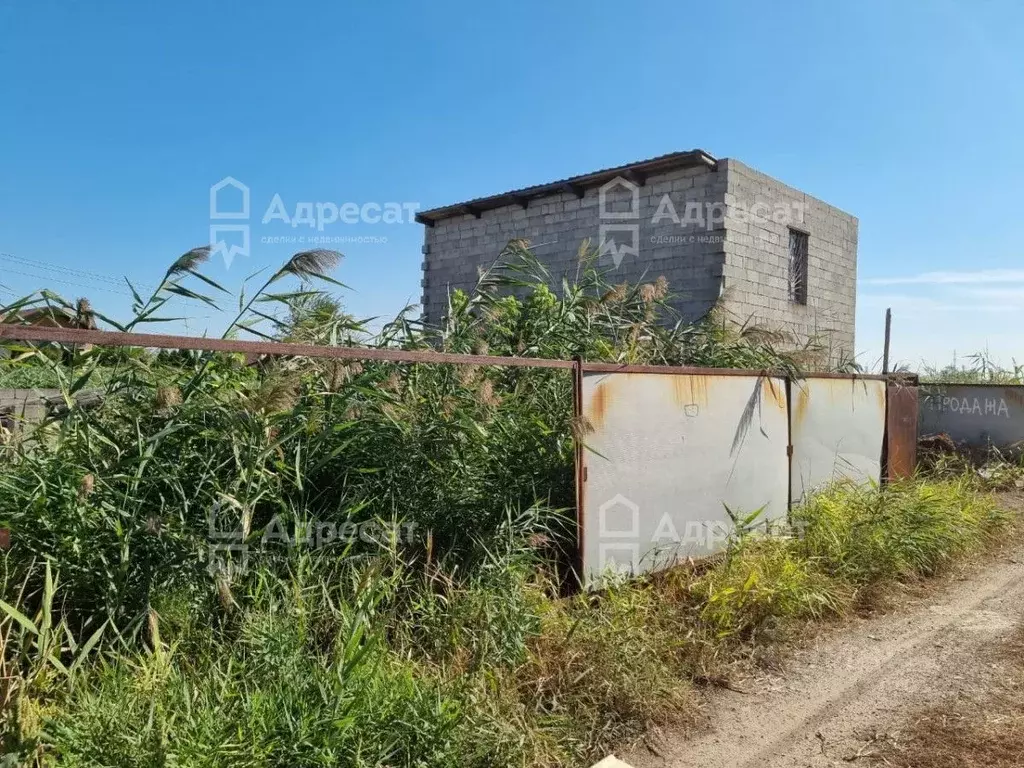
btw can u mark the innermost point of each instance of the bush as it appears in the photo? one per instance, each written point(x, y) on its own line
point(603, 669)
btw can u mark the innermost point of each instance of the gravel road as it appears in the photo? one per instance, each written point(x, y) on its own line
point(851, 685)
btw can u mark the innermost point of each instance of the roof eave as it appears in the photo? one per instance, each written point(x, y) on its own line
point(636, 172)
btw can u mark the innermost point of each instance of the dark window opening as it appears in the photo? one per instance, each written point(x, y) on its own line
point(798, 266)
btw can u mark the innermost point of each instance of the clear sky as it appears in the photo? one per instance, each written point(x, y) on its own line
point(117, 117)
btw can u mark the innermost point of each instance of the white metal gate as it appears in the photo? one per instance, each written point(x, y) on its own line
point(667, 455)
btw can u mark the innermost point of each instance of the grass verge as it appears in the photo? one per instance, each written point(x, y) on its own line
point(379, 661)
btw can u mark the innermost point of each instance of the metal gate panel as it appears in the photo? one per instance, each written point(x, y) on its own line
point(838, 425)
point(901, 431)
point(977, 415)
point(667, 454)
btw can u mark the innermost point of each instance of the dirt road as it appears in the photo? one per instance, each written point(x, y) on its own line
point(858, 682)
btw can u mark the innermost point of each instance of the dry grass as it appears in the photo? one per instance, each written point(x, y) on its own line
point(972, 729)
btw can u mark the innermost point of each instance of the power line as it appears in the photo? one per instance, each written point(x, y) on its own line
point(52, 279)
point(80, 273)
point(79, 278)
point(52, 266)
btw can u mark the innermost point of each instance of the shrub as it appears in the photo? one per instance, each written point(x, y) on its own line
point(602, 669)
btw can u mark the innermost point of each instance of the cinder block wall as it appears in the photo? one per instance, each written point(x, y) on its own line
point(23, 407)
point(756, 271)
point(691, 259)
point(729, 255)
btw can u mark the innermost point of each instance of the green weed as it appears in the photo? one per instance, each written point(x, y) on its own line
point(124, 644)
point(906, 529)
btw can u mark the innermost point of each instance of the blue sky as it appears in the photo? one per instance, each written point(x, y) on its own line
point(117, 117)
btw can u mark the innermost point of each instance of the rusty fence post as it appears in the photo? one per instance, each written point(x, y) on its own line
point(901, 428)
point(581, 469)
point(789, 446)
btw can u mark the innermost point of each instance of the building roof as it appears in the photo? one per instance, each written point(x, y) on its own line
point(636, 172)
point(51, 316)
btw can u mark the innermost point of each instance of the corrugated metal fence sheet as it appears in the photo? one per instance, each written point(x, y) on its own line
point(837, 430)
point(667, 455)
point(976, 414)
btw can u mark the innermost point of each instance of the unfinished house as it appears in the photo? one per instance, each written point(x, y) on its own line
point(717, 230)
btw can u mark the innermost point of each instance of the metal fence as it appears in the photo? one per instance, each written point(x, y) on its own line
point(974, 415)
point(669, 455)
point(677, 459)
point(673, 457)
point(901, 427)
point(838, 426)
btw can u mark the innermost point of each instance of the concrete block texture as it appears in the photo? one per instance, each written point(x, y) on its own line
point(757, 260)
point(713, 233)
point(646, 235)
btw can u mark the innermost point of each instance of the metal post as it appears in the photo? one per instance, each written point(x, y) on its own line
point(789, 448)
point(580, 458)
point(888, 333)
point(884, 474)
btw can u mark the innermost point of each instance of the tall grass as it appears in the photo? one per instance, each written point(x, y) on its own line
point(383, 659)
point(125, 643)
point(909, 528)
point(976, 368)
point(120, 496)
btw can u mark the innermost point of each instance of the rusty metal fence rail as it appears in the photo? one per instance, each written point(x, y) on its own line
point(675, 457)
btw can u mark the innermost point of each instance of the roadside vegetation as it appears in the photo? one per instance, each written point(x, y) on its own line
point(28, 376)
point(297, 562)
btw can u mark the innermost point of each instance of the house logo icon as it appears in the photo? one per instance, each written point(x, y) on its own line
point(613, 513)
point(610, 190)
point(229, 200)
point(618, 542)
point(221, 195)
point(617, 238)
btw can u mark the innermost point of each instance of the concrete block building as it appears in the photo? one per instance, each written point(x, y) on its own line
point(717, 230)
